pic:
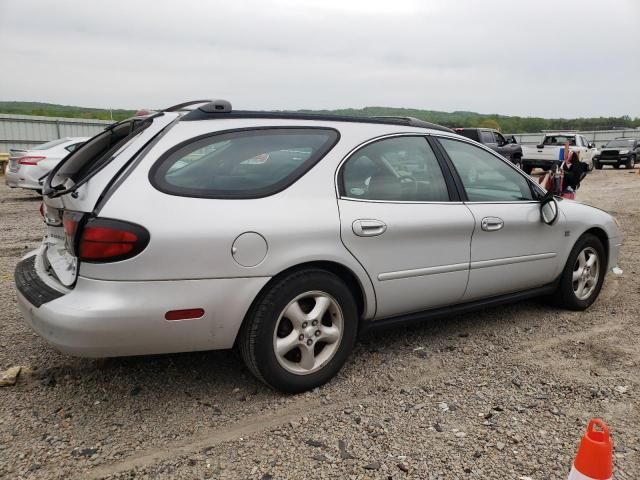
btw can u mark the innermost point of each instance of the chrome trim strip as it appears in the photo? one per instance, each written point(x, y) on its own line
point(458, 267)
point(419, 272)
point(511, 260)
point(402, 202)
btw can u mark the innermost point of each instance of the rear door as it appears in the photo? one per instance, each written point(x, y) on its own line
point(401, 218)
point(549, 149)
point(511, 249)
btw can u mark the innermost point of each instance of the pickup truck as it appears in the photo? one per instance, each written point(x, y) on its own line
point(551, 149)
point(507, 147)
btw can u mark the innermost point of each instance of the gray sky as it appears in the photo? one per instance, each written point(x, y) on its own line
point(526, 57)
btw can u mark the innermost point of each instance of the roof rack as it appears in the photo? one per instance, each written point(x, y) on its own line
point(180, 106)
point(222, 109)
point(414, 122)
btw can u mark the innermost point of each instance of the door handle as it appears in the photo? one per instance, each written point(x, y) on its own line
point(491, 224)
point(368, 228)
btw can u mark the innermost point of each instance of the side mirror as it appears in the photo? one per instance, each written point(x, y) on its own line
point(540, 146)
point(602, 146)
point(591, 145)
point(549, 209)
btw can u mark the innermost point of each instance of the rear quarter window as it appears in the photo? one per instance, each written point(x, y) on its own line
point(249, 163)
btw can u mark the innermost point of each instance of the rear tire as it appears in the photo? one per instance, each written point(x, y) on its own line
point(299, 333)
point(583, 274)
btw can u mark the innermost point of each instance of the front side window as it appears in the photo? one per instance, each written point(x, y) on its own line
point(241, 164)
point(485, 177)
point(499, 138)
point(394, 169)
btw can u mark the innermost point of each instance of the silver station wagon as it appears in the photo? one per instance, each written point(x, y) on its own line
point(286, 234)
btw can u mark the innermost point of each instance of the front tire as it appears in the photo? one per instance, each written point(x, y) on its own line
point(300, 332)
point(616, 166)
point(630, 162)
point(583, 274)
point(597, 165)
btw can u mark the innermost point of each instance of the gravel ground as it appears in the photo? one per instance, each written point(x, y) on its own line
point(505, 393)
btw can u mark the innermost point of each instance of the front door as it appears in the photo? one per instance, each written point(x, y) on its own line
point(511, 249)
point(398, 220)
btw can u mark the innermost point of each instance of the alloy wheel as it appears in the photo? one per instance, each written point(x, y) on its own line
point(308, 332)
point(586, 271)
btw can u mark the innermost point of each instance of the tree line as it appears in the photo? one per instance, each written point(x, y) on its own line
point(504, 123)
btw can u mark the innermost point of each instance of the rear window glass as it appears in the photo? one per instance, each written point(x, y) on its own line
point(241, 164)
point(51, 144)
point(559, 140)
point(90, 156)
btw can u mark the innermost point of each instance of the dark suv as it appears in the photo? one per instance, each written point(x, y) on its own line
point(507, 147)
point(620, 151)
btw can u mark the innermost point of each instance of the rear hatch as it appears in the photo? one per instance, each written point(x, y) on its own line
point(76, 186)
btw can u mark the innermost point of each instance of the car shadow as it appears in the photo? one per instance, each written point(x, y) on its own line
point(218, 378)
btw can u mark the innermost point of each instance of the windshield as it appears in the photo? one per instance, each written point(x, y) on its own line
point(51, 144)
point(621, 142)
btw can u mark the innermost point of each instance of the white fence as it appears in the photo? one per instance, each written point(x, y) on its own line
point(24, 131)
point(599, 137)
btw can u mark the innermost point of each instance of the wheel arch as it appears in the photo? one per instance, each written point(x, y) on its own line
point(343, 272)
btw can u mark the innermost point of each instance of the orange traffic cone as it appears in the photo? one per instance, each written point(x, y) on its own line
point(594, 458)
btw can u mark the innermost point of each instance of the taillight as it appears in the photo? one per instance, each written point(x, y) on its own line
point(42, 209)
point(30, 160)
point(70, 222)
point(108, 240)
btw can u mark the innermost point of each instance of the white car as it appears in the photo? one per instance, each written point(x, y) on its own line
point(551, 150)
point(27, 167)
point(286, 234)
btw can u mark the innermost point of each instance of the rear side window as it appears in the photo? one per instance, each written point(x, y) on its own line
point(467, 132)
point(243, 163)
point(487, 137)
